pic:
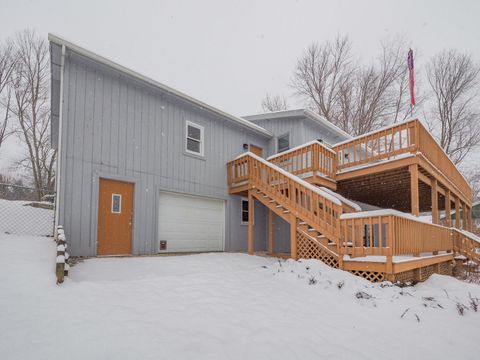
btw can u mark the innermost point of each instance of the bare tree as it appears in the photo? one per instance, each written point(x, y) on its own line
point(274, 103)
point(30, 105)
point(453, 78)
point(473, 178)
point(355, 97)
point(321, 74)
point(7, 63)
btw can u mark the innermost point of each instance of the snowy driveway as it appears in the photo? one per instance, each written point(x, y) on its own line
point(221, 306)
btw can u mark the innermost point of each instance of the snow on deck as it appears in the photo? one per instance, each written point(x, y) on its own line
point(395, 258)
point(221, 306)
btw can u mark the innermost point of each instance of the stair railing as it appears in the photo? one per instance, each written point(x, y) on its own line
point(312, 205)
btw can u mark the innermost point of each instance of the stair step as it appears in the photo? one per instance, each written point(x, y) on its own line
point(286, 211)
point(302, 223)
point(265, 196)
point(311, 229)
point(271, 201)
point(278, 206)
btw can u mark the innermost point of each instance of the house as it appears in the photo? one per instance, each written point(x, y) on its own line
point(146, 169)
point(144, 164)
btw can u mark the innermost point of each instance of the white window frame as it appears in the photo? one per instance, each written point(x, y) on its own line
point(241, 211)
point(278, 141)
point(202, 138)
point(119, 204)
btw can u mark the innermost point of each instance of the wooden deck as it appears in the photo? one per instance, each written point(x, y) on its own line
point(403, 157)
point(385, 168)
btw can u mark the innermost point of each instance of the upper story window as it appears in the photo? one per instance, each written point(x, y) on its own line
point(283, 142)
point(194, 138)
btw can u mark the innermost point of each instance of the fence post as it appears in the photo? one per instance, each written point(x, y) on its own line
point(61, 267)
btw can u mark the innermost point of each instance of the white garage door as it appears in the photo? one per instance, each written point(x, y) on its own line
point(190, 223)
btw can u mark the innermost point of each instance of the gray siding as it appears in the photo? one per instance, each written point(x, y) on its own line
point(116, 127)
point(315, 131)
point(279, 127)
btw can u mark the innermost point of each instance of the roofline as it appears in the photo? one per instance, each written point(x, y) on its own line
point(298, 112)
point(98, 58)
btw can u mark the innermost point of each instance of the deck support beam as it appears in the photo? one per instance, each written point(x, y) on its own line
point(448, 208)
point(457, 212)
point(470, 224)
point(293, 237)
point(464, 217)
point(250, 238)
point(435, 218)
point(270, 232)
point(414, 189)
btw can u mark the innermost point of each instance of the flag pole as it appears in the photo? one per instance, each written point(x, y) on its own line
point(411, 77)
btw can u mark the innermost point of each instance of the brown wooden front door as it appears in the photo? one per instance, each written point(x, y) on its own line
point(256, 150)
point(115, 217)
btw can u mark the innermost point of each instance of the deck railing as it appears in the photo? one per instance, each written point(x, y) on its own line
point(464, 244)
point(311, 158)
point(305, 201)
point(390, 235)
point(378, 145)
point(435, 154)
point(388, 143)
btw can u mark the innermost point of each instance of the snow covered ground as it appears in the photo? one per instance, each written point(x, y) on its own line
point(222, 306)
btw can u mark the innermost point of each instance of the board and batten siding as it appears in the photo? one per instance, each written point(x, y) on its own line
point(115, 126)
point(282, 126)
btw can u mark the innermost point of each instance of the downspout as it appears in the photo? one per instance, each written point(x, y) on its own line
point(59, 152)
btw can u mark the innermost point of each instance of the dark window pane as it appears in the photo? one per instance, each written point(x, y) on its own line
point(193, 145)
point(193, 132)
point(283, 143)
point(116, 203)
point(244, 205)
point(245, 216)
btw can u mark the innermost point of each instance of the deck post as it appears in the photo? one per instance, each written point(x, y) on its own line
point(293, 237)
point(435, 218)
point(390, 244)
point(250, 238)
point(448, 208)
point(457, 212)
point(464, 217)
point(469, 218)
point(270, 231)
point(414, 189)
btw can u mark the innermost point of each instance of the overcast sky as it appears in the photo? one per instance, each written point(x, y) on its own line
point(230, 53)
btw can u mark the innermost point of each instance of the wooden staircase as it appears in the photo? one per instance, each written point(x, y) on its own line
point(324, 244)
point(319, 230)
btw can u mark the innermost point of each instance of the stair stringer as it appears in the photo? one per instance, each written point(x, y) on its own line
point(307, 246)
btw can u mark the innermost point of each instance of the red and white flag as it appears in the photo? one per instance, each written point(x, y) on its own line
point(411, 75)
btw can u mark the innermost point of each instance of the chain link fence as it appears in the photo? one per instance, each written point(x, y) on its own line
point(22, 214)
